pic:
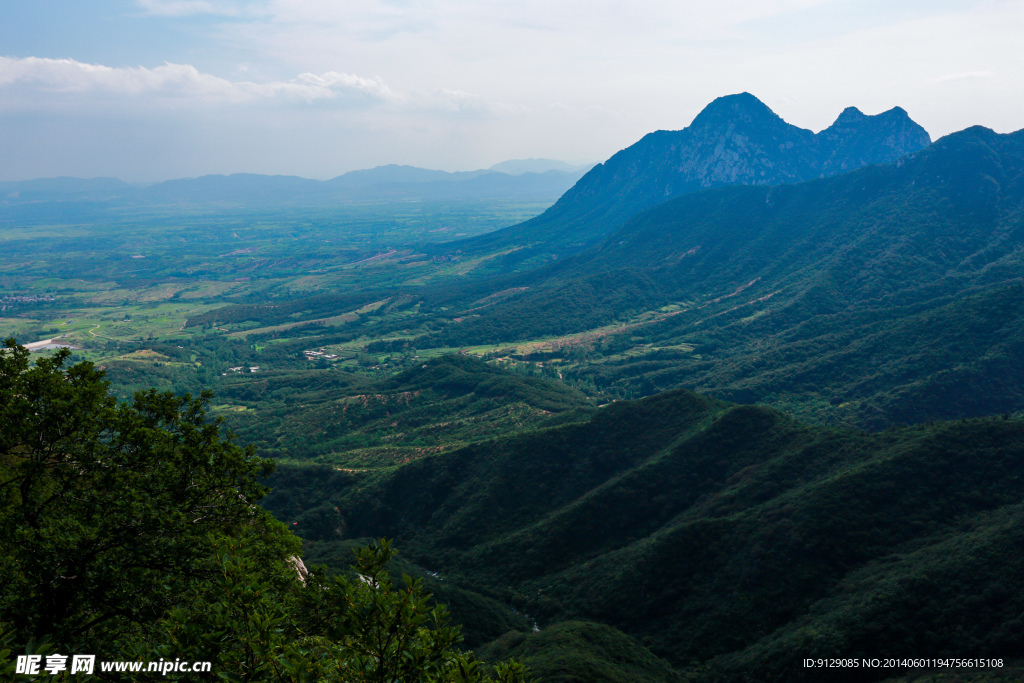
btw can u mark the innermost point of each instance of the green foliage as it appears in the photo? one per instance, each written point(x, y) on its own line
point(108, 512)
point(346, 628)
point(131, 531)
point(730, 539)
point(482, 618)
point(582, 652)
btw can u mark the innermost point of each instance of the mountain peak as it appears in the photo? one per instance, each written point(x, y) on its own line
point(856, 139)
point(735, 140)
point(732, 108)
point(850, 115)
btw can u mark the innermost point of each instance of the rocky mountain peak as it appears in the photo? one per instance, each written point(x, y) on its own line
point(856, 139)
point(850, 115)
point(735, 140)
point(736, 109)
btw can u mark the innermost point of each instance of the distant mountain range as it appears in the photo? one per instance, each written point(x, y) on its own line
point(520, 166)
point(735, 140)
point(519, 178)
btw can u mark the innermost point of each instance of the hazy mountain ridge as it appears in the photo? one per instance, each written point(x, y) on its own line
point(519, 166)
point(735, 140)
point(383, 183)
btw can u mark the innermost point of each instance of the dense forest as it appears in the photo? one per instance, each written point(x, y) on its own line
point(729, 536)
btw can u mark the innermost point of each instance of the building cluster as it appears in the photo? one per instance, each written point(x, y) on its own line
point(320, 353)
point(242, 368)
point(11, 301)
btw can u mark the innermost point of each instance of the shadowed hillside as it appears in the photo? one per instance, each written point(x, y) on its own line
point(730, 535)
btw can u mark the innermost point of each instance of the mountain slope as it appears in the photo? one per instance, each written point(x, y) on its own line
point(734, 140)
point(731, 536)
point(895, 290)
point(343, 419)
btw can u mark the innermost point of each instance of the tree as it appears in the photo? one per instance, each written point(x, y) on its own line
point(356, 628)
point(110, 513)
point(131, 531)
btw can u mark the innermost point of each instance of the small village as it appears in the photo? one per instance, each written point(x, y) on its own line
point(242, 368)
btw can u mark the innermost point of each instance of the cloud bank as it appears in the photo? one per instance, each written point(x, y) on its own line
point(150, 89)
point(36, 82)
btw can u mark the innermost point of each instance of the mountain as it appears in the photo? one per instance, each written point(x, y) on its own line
point(520, 166)
point(394, 173)
point(381, 184)
point(735, 140)
point(237, 187)
point(731, 540)
point(856, 140)
point(890, 294)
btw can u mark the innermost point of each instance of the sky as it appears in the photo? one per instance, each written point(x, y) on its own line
point(146, 90)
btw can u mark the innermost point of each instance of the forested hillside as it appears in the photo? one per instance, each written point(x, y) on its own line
point(732, 540)
point(324, 416)
point(130, 531)
point(891, 294)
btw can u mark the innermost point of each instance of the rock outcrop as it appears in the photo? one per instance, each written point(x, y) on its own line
point(735, 140)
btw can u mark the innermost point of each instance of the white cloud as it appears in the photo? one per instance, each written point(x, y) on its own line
point(182, 8)
point(332, 80)
point(34, 82)
point(460, 101)
point(324, 86)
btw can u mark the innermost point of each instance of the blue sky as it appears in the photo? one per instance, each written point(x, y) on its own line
point(154, 89)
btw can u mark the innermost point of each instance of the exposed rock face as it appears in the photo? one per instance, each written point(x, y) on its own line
point(735, 140)
point(856, 140)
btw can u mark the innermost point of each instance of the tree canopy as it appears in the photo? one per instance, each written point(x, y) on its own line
point(131, 531)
